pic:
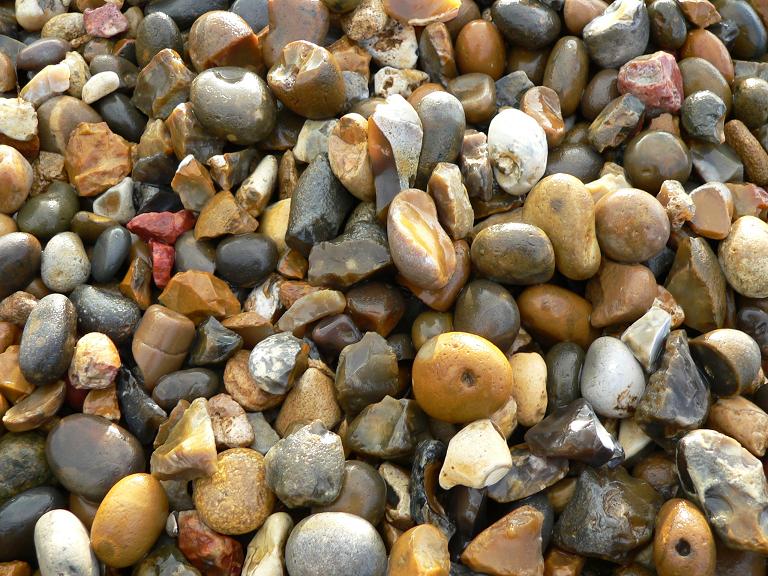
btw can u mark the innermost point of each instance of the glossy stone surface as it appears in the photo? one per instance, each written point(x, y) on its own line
point(574, 432)
point(612, 381)
point(623, 507)
point(18, 516)
point(82, 467)
point(529, 474)
point(62, 545)
point(733, 499)
point(48, 340)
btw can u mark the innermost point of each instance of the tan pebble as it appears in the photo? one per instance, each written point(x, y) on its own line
point(95, 362)
point(477, 457)
point(742, 420)
point(129, 520)
point(743, 256)
point(530, 387)
point(311, 398)
point(420, 551)
point(683, 544)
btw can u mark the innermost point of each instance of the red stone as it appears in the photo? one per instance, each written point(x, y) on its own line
point(655, 79)
point(163, 257)
point(105, 21)
point(162, 226)
point(210, 552)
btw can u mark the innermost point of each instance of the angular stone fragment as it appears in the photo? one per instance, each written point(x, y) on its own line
point(223, 215)
point(387, 429)
point(427, 503)
point(96, 158)
point(574, 432)
point(277, 362)
point(646, 336)
point(18, 119)
point(311, 308)
point(319, 206)
point(256, 190)
point(698, 285)
point(189, 452)
point(49, 82)
point(214, 344)
point(529, 474)
point(388, 81)
point(189, 137)
point(356, 255)
point(620, 293)
point(193, 184)
point(349, 158)
point(477, 457)
point(394, 45)
point(162, 84)
point(610, 515)
point(367, 372)
point(510, 546)
point(616, 123)
point(313, 139)
point(453, 208)
point(105, 21)
point(729, 484)
point(475, 164)
point(678, 204)
point(208, 551)
point(676, 399)
point(655, 79)
point(307, 467)
point(199, 294)
point(161, 226)
point(394, 145)
point(231, 428)
point(95, 362)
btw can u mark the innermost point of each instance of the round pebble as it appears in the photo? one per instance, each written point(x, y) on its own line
point(611, 379)
point(63, 546)
point(15, 179)
point(518, 163)
point(342, 543)
point(65, 264)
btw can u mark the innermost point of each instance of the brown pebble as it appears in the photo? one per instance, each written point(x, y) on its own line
point(553, 314)
point(420, 551)
point(749, 149)
point(480, 48)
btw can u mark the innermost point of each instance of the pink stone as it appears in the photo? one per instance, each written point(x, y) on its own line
point(210, 552)
point(105, 21)
point(162, 226)
point(654, 79)
point(163, 257)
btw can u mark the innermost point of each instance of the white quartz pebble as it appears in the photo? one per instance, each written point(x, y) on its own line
point(99, 85)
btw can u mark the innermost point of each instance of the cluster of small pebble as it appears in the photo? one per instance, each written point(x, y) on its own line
point(383, 287)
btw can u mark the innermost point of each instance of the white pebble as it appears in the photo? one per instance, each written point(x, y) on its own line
point(99, 85)
point(477, 456)
point(612, 380)
point(63, 546)
point(517, 147)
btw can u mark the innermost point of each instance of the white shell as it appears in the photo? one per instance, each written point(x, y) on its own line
point(478, 456)
point(612, 380)
point(518, 150)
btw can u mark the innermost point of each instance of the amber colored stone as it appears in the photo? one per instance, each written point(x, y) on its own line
point(137, 282)
point(287, 175)
point(189, 137)
point(578, 13)
point(713, 210)
point(290, 292)
point(553, 314)
point(749, 149)
point(420, 551)
point(209, 551)
point(476, 378)
point(193, 184)
point(351, 57)
point(422, 91)
point(620, 293)
point(748, 199)
point(198, 294)
point(561, 563)
point(375, 307)
point(702, 13)
point(422, 12)
point(697, 284)
point(703, 44)
point(421, 250)
point(443, 299)
point(480, 48)
point(9, 335)
point(13, 385)
point(243, 387)
point(161, 342)
point(15, 568)
point(510, 546)
point(223, 215)
point(251, 326)
point(291, 20)
point(293, 265)
point(742, 420)
point(543, 105)
point(436, 53)
point(96, 158)
point(308, 80)
point(683, 543)
point(36, 409)
point(221, 38)
point(103, 403)
point(162, 84)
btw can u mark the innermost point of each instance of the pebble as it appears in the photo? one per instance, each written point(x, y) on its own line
point(466, 465)
point(683, 541)
point(49, 213)
point(744, 277)
point(236, 499)
point(612, 380)
point(62, 545)
point(419, 551)
point(102, 311)
point(48, 340)
point(477, 382)
point(129, 520)
point(64, 264)
point(731, 357)
point(619, 34)
point(529, 387)
point(552, 201)
point(99, 85)
point(517, 164)
point(265, 555)
point(24, 465)
point(18, 516)
point(306, 468)
point(349, 158)
point(15, 179)
point(342, 543)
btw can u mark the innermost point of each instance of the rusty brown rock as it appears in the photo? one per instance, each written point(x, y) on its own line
point(223, 215)
point(553, 314)
point(96, 158)
point(620, 293)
